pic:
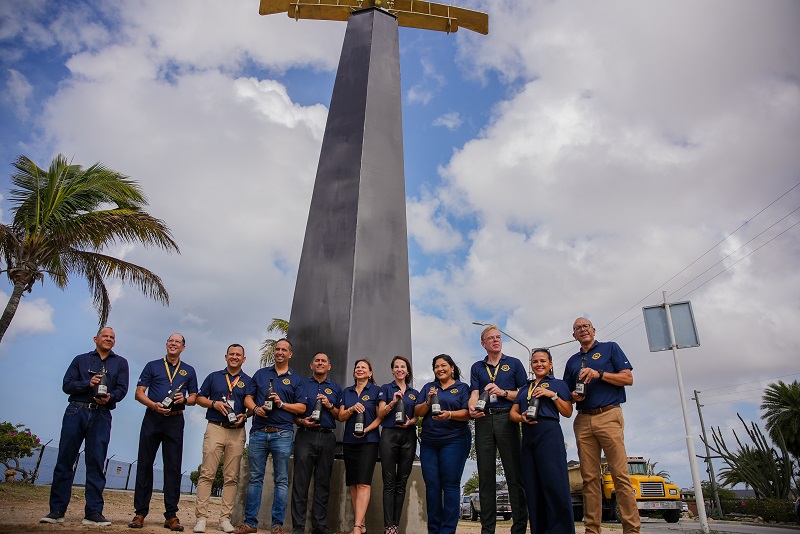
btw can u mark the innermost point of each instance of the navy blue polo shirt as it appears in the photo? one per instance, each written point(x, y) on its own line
point(453, 398)
point(607, 357)
point(547, 406)
point(369, 398)
point(154, 378)
point(409, 399)
point(85, 366)
point(216, 388)
point(509, 374)
point(307, 393)
point(285, 385)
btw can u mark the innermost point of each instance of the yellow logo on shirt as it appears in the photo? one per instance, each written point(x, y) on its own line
point(328, 391)
point(544, 385)
point(239, 384)
point(596, 356)
point(505, 368)
point(286, 381)
point(412, 396)
point(454, 391)
point(365, 398)
point(182, 372)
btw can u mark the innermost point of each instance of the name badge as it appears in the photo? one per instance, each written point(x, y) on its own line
point(493, 398)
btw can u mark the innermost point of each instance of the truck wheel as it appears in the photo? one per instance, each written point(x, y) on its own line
point(672, 516)
point(615, 512)
point(473, 513)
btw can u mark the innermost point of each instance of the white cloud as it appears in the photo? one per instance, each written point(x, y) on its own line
point(431, 229)
point(18, 91)
point(33, 316)
point(450, 120)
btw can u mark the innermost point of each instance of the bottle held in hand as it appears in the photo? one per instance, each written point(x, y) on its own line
point(231, 415)
point(170, 398)
point(400, 412)
point(580, 385)
point(436, 406)
point(483, 401)
point(316, 413)
point(532, 413)
point(269, 404)
point(101, 389)
point(359, 426)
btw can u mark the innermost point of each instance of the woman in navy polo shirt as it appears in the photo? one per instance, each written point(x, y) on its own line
point(543, 458)
point(398, 443)
point(444, 445)
point(360, 452)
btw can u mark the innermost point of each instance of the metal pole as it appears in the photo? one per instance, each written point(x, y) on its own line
point(128, 479)
point(105, 469)
point(717, 502)
point(698, 489)
point(39, 461)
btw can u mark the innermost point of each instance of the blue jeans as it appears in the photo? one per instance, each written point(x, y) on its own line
point(79, 424)
point(442, 467)
point(261, 445)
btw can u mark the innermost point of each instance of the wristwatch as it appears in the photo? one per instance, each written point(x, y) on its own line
point(601, 374)
point(505, 394)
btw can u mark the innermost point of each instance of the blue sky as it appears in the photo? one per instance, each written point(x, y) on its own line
point(569, 163)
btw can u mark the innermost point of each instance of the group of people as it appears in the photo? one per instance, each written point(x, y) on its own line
point(295, 414)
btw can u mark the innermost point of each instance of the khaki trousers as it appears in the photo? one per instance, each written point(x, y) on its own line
point(604, 431)
point(216, 442)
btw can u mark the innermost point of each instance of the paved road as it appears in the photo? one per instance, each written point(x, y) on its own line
point(662, 527)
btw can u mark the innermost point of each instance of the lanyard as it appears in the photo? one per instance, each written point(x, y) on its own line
point(531, 389)
point(173, 375)
point(496, 370)
point(231, 385)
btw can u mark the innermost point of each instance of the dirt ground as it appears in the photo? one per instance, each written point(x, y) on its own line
point(22, 505)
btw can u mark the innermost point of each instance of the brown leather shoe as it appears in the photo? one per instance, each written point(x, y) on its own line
point(136, 522)
point(174, 524)
point(244, 528)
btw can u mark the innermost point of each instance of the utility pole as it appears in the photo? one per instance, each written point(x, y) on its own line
point(717, 503)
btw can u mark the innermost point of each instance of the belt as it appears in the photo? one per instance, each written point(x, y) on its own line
point(316, 429)
point(493, 411)
point(90, 405)
point(595, 411)
point(268, 429)
point(170, 414)
point(224, 424)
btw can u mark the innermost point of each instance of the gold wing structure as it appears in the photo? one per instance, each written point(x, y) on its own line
point(409, 13)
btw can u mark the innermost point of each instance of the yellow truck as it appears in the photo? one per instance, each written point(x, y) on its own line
point(654, 495)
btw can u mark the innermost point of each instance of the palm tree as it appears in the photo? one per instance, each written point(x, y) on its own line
point(651, 470)
point(62, 220)
point(781, 403)
point(268, 346)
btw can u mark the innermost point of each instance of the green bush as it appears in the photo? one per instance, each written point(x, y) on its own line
point(768, 509)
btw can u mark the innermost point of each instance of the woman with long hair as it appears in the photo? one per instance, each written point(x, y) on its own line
point(543, 458)
point(360, 442)
point(445, 443)
point(398, 443)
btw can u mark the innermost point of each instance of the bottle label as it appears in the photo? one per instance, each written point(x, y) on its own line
point(268, 405)
point(359, 428)
point(102, 390)
point(580, 388)
point(531, 413)
point(315, 415)
point(436, 408)
point(480, 405)
point(493, 398)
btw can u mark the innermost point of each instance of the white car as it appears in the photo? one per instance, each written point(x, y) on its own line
point(684, 506)
point(466, 509)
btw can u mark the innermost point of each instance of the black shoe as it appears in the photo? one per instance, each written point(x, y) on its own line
point(53, 517)
point(96, 519)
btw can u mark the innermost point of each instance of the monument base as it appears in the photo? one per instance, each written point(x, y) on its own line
point(340, 507)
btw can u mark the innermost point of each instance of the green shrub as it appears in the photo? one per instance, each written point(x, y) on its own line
point(769, 509)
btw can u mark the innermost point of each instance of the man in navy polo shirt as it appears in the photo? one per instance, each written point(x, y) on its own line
point(599, 426)
point(88, 418)
point(314, 446)
point(272, 432)
point(163, 423)
point(500, 376)
point(222, 393)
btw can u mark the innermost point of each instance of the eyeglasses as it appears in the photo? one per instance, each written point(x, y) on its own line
point(579, 327)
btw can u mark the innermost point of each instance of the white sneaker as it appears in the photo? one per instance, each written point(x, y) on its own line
point(225, 526)
point(200, 525)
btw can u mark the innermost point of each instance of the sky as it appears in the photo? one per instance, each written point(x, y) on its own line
point(577, 161)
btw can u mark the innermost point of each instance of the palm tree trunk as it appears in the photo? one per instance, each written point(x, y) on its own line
point(11, 308)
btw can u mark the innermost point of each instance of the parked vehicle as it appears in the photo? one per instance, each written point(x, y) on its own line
point(466, 507)
point(684, 506)
point(503, 505)
point(654, 495)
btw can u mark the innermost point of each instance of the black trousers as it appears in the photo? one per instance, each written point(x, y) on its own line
point(496, 432)
point(397, 447)
point(166, 432)
point(313, 455)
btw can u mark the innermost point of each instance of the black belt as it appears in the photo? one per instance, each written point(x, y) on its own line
point(268, 429)
point(595, 411)
point(90, 405)
point(493, 411)
point(316, 429)
point(224, 424)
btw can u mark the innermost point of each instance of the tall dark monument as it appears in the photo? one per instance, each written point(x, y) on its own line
point(351, 299)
